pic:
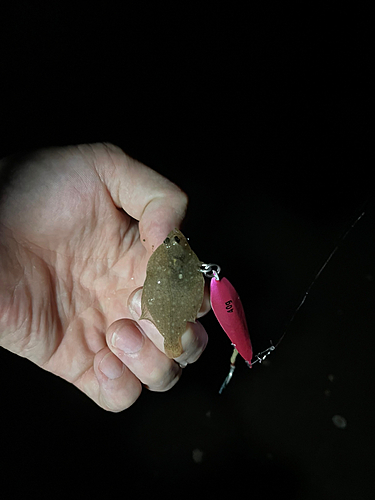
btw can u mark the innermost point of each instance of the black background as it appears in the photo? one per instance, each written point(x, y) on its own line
point(265, 118)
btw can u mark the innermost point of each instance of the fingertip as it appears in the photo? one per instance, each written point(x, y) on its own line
point(194, 341)
point(135, 303)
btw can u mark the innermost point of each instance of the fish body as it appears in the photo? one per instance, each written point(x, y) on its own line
point(173, 290)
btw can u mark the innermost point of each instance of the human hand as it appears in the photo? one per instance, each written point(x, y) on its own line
point(77, 227)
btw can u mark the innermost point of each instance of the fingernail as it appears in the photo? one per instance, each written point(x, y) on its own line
point(129, 340)
point(111, 366)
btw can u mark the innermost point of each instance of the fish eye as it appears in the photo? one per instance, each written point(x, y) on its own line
point(166, 241)
point(177, 239)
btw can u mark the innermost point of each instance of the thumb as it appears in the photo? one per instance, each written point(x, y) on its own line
point(148, 197)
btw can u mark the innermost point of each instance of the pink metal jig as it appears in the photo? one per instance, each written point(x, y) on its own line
point(228, 309)
point(229, 312)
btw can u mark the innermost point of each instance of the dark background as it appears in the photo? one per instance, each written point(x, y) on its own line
point(265, 118)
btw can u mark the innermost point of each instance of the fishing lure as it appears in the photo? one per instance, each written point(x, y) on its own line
point(229, 312)
point(227, 307)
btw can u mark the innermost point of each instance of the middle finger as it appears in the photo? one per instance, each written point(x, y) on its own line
point(126, 339)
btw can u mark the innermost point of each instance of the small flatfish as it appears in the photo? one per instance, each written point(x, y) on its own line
point(173, 290)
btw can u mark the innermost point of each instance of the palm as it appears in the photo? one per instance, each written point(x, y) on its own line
point(84, 252)
point(82, 257)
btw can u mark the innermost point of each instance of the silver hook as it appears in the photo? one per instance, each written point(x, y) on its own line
point(261, 356)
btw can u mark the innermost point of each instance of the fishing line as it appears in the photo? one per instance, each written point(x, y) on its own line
point(224, 300)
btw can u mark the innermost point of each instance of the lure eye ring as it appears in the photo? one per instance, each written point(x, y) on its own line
point(210, 270)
